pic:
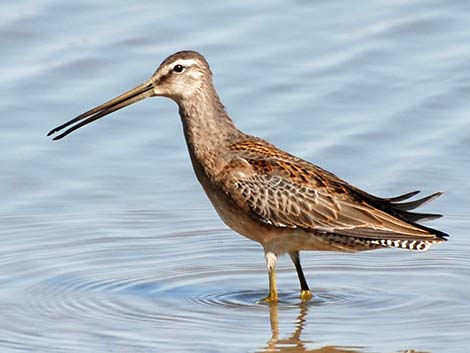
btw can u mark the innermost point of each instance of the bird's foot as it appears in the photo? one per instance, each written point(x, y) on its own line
point(271, 298)
point(305, 295)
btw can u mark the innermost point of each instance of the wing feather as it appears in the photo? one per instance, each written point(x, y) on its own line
point(284, 191)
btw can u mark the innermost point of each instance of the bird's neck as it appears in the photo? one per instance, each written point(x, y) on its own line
point(207, 126)
point(208, 131)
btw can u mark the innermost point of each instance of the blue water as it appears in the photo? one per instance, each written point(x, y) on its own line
point(107, 242)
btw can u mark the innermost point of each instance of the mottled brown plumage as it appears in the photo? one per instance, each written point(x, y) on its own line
point(281, 201)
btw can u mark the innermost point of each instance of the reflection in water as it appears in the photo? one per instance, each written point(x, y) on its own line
point(295, 344)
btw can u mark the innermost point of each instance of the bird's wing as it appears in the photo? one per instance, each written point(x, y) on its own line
point(284, 191)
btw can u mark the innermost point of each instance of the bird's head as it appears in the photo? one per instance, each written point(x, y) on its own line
point(181, 75)
point(178, 77)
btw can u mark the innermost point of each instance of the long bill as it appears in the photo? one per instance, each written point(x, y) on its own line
point(132, 96)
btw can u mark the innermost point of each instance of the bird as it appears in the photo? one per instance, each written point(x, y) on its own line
point(268, 195)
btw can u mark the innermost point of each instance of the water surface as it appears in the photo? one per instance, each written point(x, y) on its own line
point(108, 243)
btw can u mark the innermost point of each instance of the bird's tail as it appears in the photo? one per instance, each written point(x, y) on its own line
point(401, 210)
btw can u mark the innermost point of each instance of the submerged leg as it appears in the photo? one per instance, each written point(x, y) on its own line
point(305, 293)
point(271, 261)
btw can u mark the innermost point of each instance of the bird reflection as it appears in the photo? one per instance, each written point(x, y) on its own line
point(295, 344)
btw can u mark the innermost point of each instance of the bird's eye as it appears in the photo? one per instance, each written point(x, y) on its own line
point(178, 68)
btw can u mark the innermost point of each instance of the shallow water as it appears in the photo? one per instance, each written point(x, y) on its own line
point(108, 243)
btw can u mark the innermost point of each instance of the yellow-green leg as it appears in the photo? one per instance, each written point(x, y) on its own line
point(271, 260)
point(272, 297)
point(305, 294)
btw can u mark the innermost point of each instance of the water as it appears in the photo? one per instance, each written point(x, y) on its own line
point(108, 243)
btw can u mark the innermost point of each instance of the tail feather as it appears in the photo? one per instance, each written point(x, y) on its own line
point(411, 205)
point(419, 217)
point(402, 197)
point(401, 210)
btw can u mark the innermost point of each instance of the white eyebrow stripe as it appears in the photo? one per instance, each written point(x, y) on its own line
point(185, 62)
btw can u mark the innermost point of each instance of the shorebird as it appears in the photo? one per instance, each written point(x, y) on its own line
point(281, 201)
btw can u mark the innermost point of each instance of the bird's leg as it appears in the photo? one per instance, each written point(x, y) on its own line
point(271, 260)
point(305, 293)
